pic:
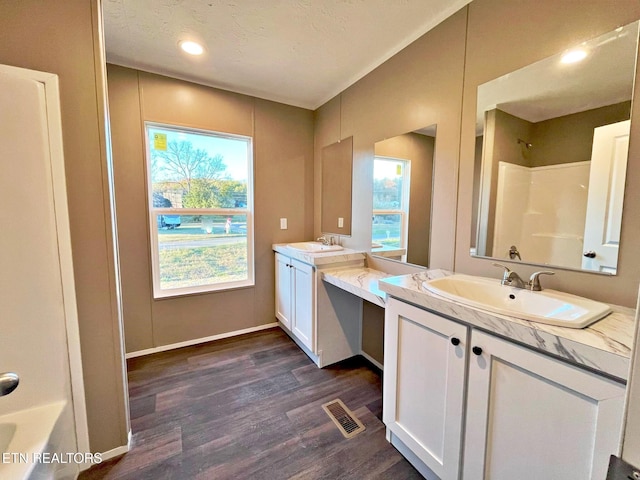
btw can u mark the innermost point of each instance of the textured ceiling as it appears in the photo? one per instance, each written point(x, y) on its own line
point(299, 52)
point(549, 89)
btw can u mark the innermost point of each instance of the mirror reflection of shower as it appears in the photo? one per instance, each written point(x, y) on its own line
point(542, 210)
point(514, 253)
point(550, 158)
point(527, 145)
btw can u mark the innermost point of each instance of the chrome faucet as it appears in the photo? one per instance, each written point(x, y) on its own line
point(512, 279)
point(324, 240)
point(534, 280)
point(8, 383)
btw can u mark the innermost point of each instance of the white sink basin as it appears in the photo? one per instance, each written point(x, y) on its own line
point(548, 306)
point(314, 247)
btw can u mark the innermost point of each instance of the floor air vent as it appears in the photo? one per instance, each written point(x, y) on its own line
point(344, 419)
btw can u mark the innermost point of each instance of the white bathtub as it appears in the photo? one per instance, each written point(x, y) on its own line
point(24, 435)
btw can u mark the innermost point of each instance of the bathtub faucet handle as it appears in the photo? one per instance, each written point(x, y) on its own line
point(8, 383)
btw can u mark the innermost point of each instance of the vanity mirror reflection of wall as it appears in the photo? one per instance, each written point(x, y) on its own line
point(402, 186)
point(551, 157)
point(337, 174)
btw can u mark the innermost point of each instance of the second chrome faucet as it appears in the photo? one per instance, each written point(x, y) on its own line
point(331, 240)
point(512, 279)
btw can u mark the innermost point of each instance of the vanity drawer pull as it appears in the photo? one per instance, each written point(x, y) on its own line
point(477, 350)
point(455, 341)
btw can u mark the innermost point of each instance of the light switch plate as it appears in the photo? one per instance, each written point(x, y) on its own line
point(340, 222)
point(283, 224)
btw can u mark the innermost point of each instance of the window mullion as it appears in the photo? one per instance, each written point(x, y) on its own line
point(199, 211)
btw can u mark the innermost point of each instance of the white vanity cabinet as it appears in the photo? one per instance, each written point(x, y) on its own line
point(530, 416)
point(425, 363)
point(322, 319)
point(526, 415)
point(295, 298)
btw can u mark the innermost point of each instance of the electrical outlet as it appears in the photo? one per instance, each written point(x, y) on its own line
point(340, 222)
point(283, 224)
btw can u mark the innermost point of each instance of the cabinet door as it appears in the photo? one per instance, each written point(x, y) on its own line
point(283, 290)
point(303, 304)
point(530, 416)
point(424, 384)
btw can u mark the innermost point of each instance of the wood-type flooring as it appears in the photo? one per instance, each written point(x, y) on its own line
point(249, 407)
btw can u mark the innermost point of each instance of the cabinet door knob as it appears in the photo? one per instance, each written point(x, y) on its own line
point(455, 341)
point(477, 350)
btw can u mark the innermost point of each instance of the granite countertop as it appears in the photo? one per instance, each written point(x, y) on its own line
point(320, 258)
point(604, 346)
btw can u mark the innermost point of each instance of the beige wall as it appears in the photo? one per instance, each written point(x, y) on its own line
point(63, 38)
point(421, 85)
point(373, 331)
point(283, 170)
point(569, 138)
point(419, 150)
point(501, 131)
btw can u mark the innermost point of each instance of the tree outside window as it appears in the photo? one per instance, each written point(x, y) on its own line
point(200, 187)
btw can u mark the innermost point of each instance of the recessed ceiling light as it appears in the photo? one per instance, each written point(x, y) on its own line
point(192, 48)
point(573, 56)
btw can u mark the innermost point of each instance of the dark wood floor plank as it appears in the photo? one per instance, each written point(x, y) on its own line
point(249, 407)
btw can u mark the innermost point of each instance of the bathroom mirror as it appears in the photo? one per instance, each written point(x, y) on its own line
point(402, 186)
point(551, 157)
point(337, 167)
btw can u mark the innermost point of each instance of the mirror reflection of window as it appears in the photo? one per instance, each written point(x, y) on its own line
point(391, 180)
point(417, 149)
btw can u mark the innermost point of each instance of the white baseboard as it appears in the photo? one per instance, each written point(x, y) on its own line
point(372, 360)
point(197, 341)
point(317, 359)
point(114, 452)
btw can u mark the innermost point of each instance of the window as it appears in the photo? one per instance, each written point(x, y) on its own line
point(200, 210)
point(390, 201)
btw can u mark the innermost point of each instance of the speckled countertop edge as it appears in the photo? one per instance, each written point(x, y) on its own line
point(319, 259)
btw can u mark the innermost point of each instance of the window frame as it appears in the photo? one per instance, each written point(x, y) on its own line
point(154, 212)
point(403, 212)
